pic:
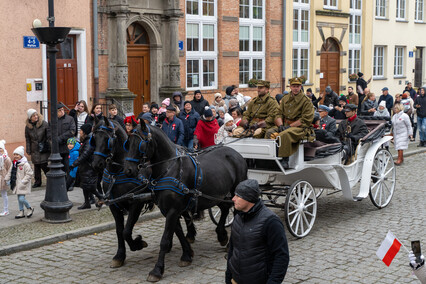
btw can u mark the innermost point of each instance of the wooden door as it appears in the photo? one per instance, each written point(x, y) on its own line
point(330, 65)
point(418, 71)
point(138, 80)
point(66, 72)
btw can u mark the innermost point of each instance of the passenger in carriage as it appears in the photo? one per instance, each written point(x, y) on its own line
point(325, 128)
point(294, 122)
point(260, 114)
point(351, 130)
point(338, 112)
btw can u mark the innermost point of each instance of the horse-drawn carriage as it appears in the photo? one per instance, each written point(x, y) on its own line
point(316, 167)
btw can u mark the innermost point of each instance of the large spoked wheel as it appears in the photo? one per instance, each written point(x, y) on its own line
point(300, 208)
point(383, 179)
point(215, 214)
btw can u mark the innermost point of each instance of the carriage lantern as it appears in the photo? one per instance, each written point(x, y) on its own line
point(56, 204)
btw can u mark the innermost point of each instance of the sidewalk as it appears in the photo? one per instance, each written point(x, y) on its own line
point(27, 233)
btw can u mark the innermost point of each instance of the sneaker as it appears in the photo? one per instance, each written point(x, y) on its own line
point(5, 213)
point(30, 213)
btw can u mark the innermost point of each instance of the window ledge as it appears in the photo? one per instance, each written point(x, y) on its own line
point(379, 78)
point(382, 19)
point(401, 21)
point(419, 22)
point(399, 77)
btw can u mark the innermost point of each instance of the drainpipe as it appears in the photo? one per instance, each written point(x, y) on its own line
point(284, 46)
point(95, 49)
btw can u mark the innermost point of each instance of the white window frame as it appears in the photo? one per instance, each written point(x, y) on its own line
point(250, 54)
point(330, 6)
point(201, 55)
point(419, 12)
point(353, 47)
point(399, 58)
point(381, 5)
point(297, 43)
point(379, 53)
point(399, 16)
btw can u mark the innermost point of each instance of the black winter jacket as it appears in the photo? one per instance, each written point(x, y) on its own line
point(35, 134)
point(421, 111)
point(66, 129)
point(199, 105)
point(258, 250)
point(190, 121)
point(88, 176)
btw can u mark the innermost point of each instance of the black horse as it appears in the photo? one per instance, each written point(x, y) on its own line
point(108, 139)
point(184, 182)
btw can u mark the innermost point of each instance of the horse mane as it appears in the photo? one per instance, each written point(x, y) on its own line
point(159, 135)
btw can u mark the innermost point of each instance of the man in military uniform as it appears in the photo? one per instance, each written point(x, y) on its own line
point(351, 130)
point(295, 121)
point(260, 114)
point(325, 130)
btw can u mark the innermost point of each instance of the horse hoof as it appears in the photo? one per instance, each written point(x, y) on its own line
point(190, 240)
point(153, 278)
point(184, 263)
point(116, 263)
point(224, 242)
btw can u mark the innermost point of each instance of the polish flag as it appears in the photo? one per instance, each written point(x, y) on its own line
point(388, 249)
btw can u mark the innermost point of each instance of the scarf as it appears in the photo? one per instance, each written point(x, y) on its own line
point(15, 170)
point(350, 119)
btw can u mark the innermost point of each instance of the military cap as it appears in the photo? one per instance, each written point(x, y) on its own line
point(324, 107)
point(263, 83)
point(295, 81)
point(350, 107)
point(170, 107)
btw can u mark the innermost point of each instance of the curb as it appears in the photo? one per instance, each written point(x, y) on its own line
point(32, 244)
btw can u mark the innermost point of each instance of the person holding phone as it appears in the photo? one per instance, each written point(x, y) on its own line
point(417, 261)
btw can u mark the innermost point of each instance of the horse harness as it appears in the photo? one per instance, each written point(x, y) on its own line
point(111, 137)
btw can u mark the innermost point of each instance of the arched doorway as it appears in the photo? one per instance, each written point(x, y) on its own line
point(138, 65)
point(330, 65)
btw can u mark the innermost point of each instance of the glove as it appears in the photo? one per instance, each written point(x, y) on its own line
point(413, 262)
point(281, 128)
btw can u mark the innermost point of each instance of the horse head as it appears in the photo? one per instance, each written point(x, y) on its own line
point(103, 140)
point(139, 147)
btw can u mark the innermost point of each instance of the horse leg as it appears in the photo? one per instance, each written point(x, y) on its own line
point(222, 234)
point(190, 227)
point(134, 212)
point(172, 218)
point(120, 256)
point(187, 252)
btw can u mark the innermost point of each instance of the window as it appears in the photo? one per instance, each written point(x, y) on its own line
point(399, 62)
point(330, 4)
point(380, 8)
point(400, 10)
point(355, 36)
point(378, 62)
point(418, 15)
point(251, 36)
point(201, 45)
point(300, 55)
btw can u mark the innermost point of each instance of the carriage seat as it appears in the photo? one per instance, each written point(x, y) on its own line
point(318, 150)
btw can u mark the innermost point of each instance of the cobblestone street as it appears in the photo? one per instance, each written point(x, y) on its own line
point(340, 248)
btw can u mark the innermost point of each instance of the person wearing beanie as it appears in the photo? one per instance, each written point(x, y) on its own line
point(189, 118)
point(221, 115)
point(218, 101)
point(73, 146)
point(206, 130)
point(155, 116)
point(328, 98)
point(361, 84)
point(5, 166)
point(226, 129)
point(258, 249)
point(87, 174)
point(164, 104)
point(173, 126)
point(177, 100)
point(19, 178)
point(199, 103)
point(232, 93)
point(67, 128)
point(37, 139)
point(147, 118)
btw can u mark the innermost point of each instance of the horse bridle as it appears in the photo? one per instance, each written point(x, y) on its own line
point(142, 140)
point(111, 137)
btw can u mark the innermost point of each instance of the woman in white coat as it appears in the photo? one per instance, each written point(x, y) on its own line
point(401, 131)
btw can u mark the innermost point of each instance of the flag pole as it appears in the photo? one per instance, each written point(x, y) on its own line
point(404, 247)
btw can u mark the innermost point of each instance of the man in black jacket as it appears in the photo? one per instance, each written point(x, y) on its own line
point(420, 106)
point(199, 103)
point(258, 250)
point(66, 129)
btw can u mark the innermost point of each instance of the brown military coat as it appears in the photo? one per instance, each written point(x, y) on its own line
point(293, 108)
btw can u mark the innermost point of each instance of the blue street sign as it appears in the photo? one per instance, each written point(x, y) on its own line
point(31, 42)
point(410, 54)
point(180, 45)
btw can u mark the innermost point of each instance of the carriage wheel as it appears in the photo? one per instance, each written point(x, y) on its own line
point(383, 176)
point(300, 208)
point(215, 213)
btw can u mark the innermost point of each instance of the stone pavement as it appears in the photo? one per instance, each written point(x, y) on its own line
point(340, 248)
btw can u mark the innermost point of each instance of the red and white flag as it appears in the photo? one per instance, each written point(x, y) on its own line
point(388, 249)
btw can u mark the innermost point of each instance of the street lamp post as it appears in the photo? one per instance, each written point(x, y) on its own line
point(56, 204)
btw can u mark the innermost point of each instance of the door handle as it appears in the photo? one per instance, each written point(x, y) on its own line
point(146, 82)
